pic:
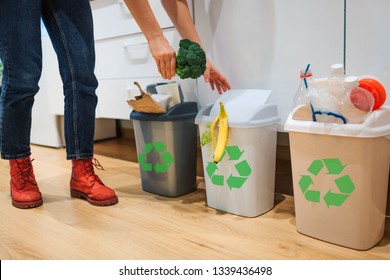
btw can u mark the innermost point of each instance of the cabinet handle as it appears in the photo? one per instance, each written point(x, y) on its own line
point(139, 44)
point(137, 51)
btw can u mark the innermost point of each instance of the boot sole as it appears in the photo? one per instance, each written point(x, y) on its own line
point(107, 202)
point(26, 205)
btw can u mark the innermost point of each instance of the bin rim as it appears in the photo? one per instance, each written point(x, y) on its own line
point(376, 125)
point(179, 112)
point(204, 117)
point(245, 108)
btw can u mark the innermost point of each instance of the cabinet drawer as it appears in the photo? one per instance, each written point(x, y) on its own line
point(112, 18)
point(128, 57)
point(113, 95)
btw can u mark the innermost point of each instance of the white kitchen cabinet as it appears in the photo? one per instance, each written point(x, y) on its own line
point(128, 56)
point(45, 126)
point(113, 19)
point(368, 44)
point(52, 77)
point(123, 56)
point(48, 122)
point(264, 44)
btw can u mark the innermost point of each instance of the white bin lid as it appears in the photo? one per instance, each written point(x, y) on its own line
point(245, 108)
point(376, 125)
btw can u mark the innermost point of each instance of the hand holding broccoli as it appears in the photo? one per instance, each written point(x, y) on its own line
point(190, 60)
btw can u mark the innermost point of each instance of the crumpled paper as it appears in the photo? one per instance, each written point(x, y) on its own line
point(144, 103)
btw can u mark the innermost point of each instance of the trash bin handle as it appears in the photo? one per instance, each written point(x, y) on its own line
point(202, 110)
point(181, 111)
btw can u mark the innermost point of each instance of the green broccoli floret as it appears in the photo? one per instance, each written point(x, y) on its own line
point(190, 60)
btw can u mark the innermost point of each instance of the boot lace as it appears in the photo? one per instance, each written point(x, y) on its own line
point(89, 172)
point(26, 172)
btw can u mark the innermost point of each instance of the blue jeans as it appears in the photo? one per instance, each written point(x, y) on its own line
point(69, 24)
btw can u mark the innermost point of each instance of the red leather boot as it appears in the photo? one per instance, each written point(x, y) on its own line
point(24, 189)
point(84, 183)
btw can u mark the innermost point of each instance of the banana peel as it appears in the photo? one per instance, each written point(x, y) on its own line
point(144, 103)
point(219, 144)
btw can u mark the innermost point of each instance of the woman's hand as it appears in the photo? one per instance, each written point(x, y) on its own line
point(215, 78)
point(165, 57)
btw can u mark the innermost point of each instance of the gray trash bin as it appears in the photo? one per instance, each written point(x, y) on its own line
point(166, 149)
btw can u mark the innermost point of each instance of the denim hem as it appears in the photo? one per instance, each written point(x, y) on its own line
point(24, 155)
point(79, 156)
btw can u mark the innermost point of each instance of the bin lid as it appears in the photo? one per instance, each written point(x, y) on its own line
point(178, 112)
point(245, 108)
point(376, 125)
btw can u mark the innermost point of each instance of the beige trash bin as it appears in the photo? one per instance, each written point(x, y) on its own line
point(340, 179)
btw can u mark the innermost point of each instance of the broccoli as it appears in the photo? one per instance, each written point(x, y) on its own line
point(190, 60)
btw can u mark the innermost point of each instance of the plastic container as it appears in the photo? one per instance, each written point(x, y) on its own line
point(325, 100)
point(335, 81)
point(243, 182)
point(356, 103)
point(313, 100)
point(153, 89)
point(166, 148)
point(172, 90)
point(376, 89)
point(340, 179)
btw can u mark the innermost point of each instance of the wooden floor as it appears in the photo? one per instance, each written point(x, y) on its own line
point(146, 226)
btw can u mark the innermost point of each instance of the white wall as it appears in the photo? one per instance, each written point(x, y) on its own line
point(264, 44)
point(368, 40)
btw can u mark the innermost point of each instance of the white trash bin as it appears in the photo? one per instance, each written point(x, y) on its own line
point(243, 182)
point(340, 179)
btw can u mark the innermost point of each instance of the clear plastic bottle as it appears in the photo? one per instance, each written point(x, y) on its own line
point(313, 101)
point(301, 101)
point(356, 103)
point(326, 98)
point(336, 80)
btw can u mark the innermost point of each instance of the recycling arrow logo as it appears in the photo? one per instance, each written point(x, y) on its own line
point(165, 161)
point(344, 183)
point(243, 169)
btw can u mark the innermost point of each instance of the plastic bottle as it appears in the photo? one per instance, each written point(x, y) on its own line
point(315, 101)
point(335, 81)
point(301, 101)
point(325, 99)
point(301, 95)
point(356, 103)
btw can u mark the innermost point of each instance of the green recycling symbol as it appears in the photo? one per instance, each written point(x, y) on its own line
point(243, 169)
point(165, 157)
point(344, 183)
